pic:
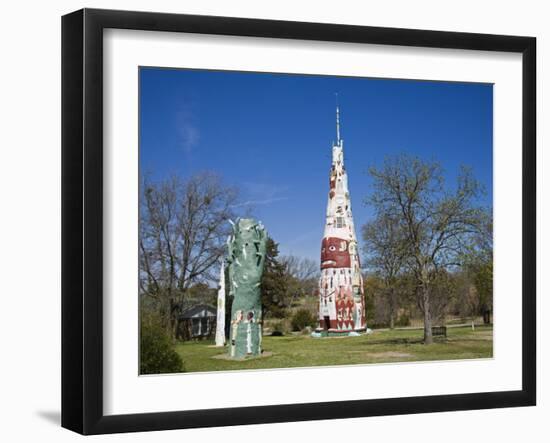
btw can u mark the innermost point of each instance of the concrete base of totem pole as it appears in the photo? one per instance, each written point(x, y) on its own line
point(248, 357)
point(319, 333)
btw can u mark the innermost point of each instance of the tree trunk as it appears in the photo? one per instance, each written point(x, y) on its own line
point(173, 320)
point(428, 339)
point(392, 308)
point(174, 330)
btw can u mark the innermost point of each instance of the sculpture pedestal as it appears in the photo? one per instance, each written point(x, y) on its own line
point(246, 337)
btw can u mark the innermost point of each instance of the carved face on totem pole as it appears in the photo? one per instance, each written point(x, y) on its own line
point(335, 253)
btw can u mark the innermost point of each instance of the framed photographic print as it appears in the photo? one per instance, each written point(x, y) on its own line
point(214, 272)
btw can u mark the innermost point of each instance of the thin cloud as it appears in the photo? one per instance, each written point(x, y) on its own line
point(261, 194)
point(266, 201)
point(188, 131)
point(264, 191)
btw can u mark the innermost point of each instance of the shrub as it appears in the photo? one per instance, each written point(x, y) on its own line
point(301, 319)
point(277, 329)
point(157, 353)
point(379, 325)
point(403, 320)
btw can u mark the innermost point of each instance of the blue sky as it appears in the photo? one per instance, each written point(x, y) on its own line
point(271, 135)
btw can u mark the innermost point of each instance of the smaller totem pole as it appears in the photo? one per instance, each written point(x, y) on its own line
point(220, 320)
point(246, 257)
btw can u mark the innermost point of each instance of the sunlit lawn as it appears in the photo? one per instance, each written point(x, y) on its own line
point(378, 347)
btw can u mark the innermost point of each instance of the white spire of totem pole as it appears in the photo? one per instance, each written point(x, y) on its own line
point(220, 320)
point(341, 301)
point(337, 125)
point(337, 121)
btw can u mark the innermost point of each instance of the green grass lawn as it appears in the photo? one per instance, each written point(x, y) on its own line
point(379, 347)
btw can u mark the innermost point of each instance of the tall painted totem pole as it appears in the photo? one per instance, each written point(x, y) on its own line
point(220, 318)
point(246, 258)
point(341, 301)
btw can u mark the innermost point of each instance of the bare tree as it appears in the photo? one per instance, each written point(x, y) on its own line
point(385, 252)
point(302, 268)
point(438, 224)
point(183, 228)
point(303, 275)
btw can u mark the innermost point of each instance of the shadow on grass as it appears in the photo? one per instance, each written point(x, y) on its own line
point(404, 341)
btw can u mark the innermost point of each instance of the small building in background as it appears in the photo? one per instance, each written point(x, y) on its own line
point(197, 322)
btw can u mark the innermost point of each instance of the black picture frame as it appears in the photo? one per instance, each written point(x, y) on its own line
point(82, 217)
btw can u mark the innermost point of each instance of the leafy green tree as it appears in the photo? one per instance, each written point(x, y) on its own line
point(373, 287)
point(479, 264)
point(274, 284)
point(201, 293)
point(480, 273)
point(483, 281)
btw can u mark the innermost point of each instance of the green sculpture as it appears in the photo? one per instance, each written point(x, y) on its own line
point(246, 257)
